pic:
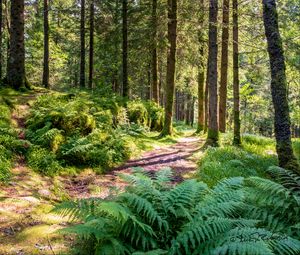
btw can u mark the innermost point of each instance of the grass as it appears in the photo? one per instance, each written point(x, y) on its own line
point(253, 158)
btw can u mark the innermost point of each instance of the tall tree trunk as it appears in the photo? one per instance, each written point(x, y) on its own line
point(7, 24)
point(213, 136)
point(201, 68)
point(279, 88)
point(171, 64)
point(91, 55)
point(16, 68)
point(46, 46)
point(1, 33)
point(206, 96)
point(82, 45)
point(236, 82)
point(224, 67)
point(155, 88)
point(125, 48)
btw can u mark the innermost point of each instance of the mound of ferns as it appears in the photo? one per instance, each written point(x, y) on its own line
point(237, 216)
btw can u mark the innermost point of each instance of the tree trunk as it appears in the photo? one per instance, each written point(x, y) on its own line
point(201, 68)
point(212, 136)
point(46, 46)
point(171, 63)
point(155, 89)
point(125, 49)
point(91, 55)
point(1, 32)
point(206, 96)
point(236, 82)
point(224, 67)
point(82, 45)
point(16, 68)
point(279, 88)
point(7, 24)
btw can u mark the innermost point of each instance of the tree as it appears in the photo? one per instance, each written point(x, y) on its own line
point(279, 88)
point(201, 69)
point(236, 82)
point(16, 63)
point(224, 67)
point(212, 79)
point(46, 46)
point(1, 25)
point(155, 88)
point(171, 64)
point(125, 48)
point(82, 44)
point(91, 55)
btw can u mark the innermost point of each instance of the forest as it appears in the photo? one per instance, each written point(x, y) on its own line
point(149, 127)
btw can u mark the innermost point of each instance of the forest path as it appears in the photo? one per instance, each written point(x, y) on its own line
point(180, 157)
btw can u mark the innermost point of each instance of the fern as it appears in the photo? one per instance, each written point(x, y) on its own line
point(237, 216)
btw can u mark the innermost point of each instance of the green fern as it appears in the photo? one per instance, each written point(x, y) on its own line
point(237, 216)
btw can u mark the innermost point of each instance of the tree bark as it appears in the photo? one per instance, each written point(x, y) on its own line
point(206, 96)
point(171, 64)
point(279, 88)
point(82, 44)
point(236, 82)
point(1, 32)
point(7, 24)
point(125, 48)
point(91, 52)
point(16, 68)
point(155, 88)
point(201, 69)
point(224, 67)
point(46, 46)
point(213, 136)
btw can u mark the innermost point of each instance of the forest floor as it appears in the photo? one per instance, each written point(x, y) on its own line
point(27, 225)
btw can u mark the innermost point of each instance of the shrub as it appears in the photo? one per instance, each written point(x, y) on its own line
point(154, 217)
point(137, 113)
point(97, 149)
point(156, 116)
point(43, 161)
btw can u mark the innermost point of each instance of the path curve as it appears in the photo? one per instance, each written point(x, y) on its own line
point(178, 157)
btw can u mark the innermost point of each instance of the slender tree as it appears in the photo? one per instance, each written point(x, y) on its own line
point(171, 64)
point(16, 63)
point(1, 32)
point(236, 82)
point(212, 79)
point(46, 46)
point(279, 88)
point(82, 44)
point(155, 88)
point(91, 52)
point(201, 69)
point(125, 48)
point(224, 67)
point(7, 24)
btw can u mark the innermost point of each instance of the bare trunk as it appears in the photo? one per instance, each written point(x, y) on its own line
point(16, 68)
point(125, 49)
point(279, 88)
point(1, 32)
point(155, 89)
point(46, 46)
point(201, 68)
point(212, 136)
point(91, 52)
point(171, 63)
point(236, 82)
point(82, 45)
point(224, 67)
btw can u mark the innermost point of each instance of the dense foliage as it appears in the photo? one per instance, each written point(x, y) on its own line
point(81, 130)
point(236, 216)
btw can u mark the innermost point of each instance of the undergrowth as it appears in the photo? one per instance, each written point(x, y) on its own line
point(86, 130)
point(236, 216)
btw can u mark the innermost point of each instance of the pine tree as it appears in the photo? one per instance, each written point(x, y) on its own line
point(125, 48)
point(279, 88)
point(82, 44)
point(91, 52)
point(212, 78)
point(171, 64)
point(46, 46)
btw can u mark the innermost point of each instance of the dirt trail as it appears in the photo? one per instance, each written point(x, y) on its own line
point(178, 157)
